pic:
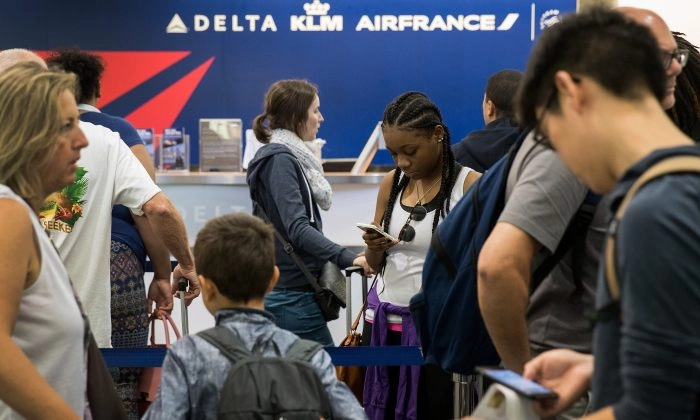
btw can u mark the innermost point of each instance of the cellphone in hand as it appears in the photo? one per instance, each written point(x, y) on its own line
point(367, 227)
point(518, 383)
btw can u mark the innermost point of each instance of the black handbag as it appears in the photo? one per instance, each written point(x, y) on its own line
point(329, 289)
point(328, 303)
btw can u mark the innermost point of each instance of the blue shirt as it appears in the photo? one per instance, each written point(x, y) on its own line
point(647, 363)
point(480, 149)
point(123, 228)
point(194, 370)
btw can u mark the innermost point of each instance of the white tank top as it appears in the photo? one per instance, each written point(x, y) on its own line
point(404, 261)
point(49, 327)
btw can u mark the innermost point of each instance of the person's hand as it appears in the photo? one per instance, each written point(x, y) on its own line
point(160, 293)
point(566, 372)
point(362, 262)
point(192, 282)
point(376, 242)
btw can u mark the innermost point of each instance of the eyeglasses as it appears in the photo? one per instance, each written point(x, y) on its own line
point(681, 55)
point(417, 213)
point(539, 136)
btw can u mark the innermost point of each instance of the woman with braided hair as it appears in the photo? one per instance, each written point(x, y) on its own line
point(686, 111)
point(413, 198)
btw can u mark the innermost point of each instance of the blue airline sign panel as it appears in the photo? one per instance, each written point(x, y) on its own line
point(170, 63)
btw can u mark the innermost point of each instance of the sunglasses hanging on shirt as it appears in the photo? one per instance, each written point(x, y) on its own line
point(418, 213)
point(408, 233)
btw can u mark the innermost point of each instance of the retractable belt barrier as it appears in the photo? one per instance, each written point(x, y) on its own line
point(340, 356)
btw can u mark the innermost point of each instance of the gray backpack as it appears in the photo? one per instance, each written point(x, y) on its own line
point(279, 387)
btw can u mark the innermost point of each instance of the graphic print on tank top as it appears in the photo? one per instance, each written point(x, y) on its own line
point(62, 209)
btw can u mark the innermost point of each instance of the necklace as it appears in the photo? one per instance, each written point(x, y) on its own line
point(421, 196)
point(418, 213)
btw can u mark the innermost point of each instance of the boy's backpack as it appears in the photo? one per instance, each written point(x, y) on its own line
point(446, 311)
point(258, 387)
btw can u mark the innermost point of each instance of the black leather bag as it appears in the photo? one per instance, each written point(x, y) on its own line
point(329, 288)
point(328, 303)
point(333, 280)
point(331, 296)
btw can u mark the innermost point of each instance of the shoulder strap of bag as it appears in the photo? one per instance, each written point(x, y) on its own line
point(303, 350)
point(356, 322)
point(689, 163)
point(227, 342)
point(289, 250)
point(574, 236)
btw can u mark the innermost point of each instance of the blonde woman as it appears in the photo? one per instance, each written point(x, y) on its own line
point(42, 331)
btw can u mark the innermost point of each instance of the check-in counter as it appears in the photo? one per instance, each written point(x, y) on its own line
point(199, 196)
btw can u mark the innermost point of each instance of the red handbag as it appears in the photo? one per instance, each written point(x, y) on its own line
point(149, 381)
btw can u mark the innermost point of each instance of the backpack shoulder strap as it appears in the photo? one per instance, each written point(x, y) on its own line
point(684, 163)
point(303, 350)
point(574, 237)
point(227, 342)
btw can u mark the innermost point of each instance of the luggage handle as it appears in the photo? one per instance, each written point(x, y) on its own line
point(349, 325)
point(182, 288)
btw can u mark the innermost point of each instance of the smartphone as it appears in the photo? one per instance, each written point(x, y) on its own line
point(367, 227)
point(517, 383)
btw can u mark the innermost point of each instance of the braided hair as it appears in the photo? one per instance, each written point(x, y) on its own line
point(686, 111)
point(415, 111)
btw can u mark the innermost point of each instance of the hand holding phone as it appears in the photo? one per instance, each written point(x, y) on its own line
point(367, 227)
point(517, 383)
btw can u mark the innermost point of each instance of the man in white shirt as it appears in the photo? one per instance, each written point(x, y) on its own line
point(78, 218)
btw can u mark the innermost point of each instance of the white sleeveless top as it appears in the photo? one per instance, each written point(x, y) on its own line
point(49, 328)
point(404, 261)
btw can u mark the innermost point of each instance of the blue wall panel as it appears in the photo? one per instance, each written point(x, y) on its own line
point(358, 70)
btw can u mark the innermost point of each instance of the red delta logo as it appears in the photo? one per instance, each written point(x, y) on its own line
point(126, 70)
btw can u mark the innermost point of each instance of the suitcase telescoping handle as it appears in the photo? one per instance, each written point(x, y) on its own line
point(182, 288)
point(348, 294)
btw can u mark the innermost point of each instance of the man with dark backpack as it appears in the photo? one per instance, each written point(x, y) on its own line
point(446, 311)
point(525, 313)
point(246, 366)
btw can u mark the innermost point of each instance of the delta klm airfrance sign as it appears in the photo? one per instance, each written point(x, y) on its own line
point(318, 19)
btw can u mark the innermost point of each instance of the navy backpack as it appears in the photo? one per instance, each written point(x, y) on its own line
point(446, 311)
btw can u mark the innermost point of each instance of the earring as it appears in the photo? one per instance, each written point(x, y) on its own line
point(440, 141)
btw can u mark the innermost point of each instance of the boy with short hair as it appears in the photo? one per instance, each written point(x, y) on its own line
point(235, 258)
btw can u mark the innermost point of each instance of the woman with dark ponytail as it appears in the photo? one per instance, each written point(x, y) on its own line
point(287, 187)
point(413, 198)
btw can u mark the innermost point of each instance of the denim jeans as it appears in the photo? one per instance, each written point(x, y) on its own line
point(298, 312)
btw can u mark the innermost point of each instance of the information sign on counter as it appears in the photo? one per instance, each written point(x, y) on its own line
point(151, 143)
point(220, 144)
point(174, 150)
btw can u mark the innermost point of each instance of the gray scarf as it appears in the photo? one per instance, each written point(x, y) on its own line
point(312, 168)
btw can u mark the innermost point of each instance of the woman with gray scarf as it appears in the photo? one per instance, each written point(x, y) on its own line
point(287, 187)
